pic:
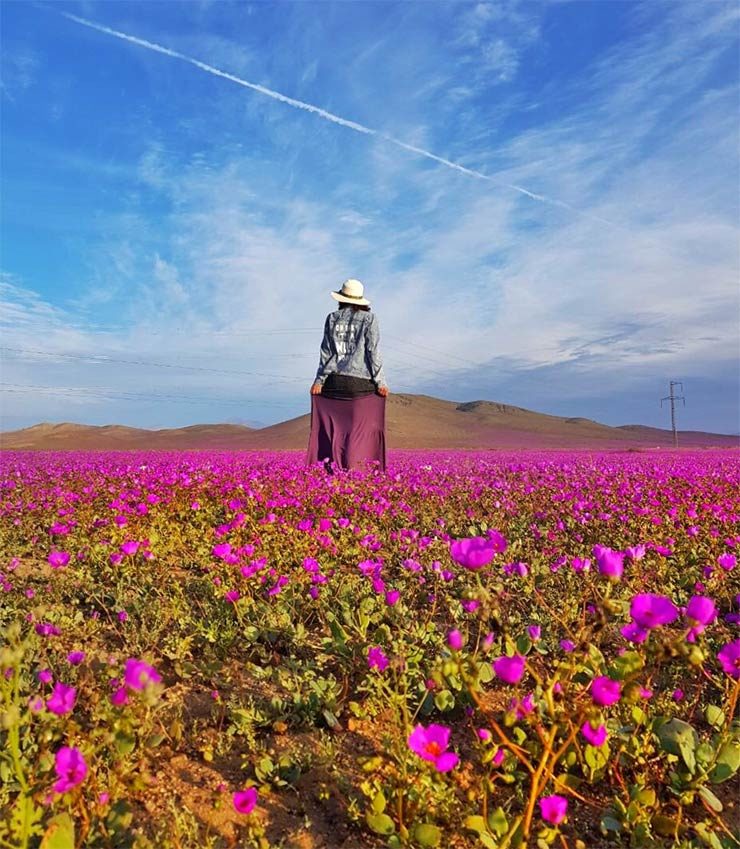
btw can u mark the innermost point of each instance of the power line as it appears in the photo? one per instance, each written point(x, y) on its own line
point(66, 391)
point(96, 358)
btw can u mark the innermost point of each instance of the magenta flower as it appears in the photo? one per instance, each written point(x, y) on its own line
point(534, 632)
point(62, 699)
point(650, 611)
point(70, 766)
point(75, 657)
point(221, 550)
point(58, 559)
point(595, 736)
point(119, 697)
point(376, 658)
point(137, 674)
point(45, 676)
point(605, 691)
point(553, 808)
point(509, 669)
point(455, 640)
point(729, 657)
point(610, 563)
point(727, 561)
point(522, 707)
point(391, 597)
point(431, 745)
point(473, 553)
point(498, 540)
point(567, 646)
point(130, 547)
point(634, 633)
point(245, 800)
point(701, 611)
point(232, 596)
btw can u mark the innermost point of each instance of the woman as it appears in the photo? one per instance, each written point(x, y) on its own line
point(349, 392)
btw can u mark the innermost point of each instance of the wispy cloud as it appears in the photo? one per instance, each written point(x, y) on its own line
point(323, 113)
point(220, 252)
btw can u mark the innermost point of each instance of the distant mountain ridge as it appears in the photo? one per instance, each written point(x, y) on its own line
point(412, 421)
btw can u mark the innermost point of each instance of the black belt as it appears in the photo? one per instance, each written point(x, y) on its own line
point(346, 386)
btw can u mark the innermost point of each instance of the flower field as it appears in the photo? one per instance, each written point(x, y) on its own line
point(472, 650)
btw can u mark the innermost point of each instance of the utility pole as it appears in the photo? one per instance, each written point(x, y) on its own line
point(673, 398)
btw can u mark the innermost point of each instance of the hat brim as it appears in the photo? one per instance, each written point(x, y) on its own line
point(343, 299)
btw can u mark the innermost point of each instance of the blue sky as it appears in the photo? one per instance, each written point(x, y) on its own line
point(170, 236)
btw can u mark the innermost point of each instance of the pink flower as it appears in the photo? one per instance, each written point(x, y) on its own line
point(137, 674)
point(245, 800)
point(119, 697)
point(610, 563)
point(455, 640)
point(522, 707)
point(701, 611)
point(509, 669)
point(70, 766)
point(605, 691)
point(534, 632)
point(595, 736)
point(58, 559)
point(567, 646)
point(729, 657)
point(431, 745)
point(376, 658)
point(727, 561)
point(473, 553)
point(44, 676)
point(62, 699)
point(634, 633)
point(391, 597)
point(232, 596)
point(650, 611)
point(553, 808)
point(484, 734)
point(221, 550)
point(498, 540)
point(75, 657)
point(130, 547)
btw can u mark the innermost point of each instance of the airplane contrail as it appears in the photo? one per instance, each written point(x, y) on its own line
point(328, 116)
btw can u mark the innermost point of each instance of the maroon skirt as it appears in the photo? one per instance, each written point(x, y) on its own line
point(347, 432)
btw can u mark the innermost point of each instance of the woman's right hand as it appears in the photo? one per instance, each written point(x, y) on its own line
point(316, 389)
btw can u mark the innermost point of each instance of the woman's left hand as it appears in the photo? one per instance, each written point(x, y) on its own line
point(316, 389)
point(383, 391)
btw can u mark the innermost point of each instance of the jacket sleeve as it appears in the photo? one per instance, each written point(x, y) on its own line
point(374, 360)
point(326, 357)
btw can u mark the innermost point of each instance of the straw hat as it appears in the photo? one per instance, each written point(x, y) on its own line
point(352, 292)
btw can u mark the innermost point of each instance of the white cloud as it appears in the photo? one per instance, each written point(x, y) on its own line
point(469, 278)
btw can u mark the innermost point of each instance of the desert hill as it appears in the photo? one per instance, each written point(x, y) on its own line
point(412, 421)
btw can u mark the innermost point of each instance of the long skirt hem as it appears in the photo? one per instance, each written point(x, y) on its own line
point(347, 433)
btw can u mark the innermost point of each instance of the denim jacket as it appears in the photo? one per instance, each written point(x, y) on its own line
point(350, 346)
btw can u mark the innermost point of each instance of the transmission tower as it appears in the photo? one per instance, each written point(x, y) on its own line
point(673, 398)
